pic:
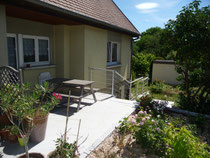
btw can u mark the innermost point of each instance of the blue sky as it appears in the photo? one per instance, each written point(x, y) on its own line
point(150, 13)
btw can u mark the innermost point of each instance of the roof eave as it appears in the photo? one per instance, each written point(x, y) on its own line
point(82, 17)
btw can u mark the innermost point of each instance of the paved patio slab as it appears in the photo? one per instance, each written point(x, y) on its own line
point(97, 122)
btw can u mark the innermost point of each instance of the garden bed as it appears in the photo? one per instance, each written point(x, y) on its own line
point(123, 144)
point(118, 145)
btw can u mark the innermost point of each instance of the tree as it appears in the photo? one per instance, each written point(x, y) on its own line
point(153, 40)
point(189, 37)
point(142, 63)
point(149, 41)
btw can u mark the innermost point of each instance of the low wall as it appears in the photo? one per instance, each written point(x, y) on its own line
point(31, 75)
point(165, 70)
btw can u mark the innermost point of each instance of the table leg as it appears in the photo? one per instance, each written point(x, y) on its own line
point(80, 99)
point(93, 93)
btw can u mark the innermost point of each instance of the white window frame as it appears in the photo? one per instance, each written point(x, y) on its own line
point(16, 50)
point(118, 54)
point(36, 39)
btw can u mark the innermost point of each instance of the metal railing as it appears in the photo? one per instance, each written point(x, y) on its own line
point(111, 82)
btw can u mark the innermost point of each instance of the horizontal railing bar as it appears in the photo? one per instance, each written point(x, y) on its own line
point(136, 79)
point(101, 69)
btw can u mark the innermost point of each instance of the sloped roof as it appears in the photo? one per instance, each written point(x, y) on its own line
point(101, 10)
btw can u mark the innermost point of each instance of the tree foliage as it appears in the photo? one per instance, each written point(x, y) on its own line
point(141, 64)
point(189, 36)
point(154, 41)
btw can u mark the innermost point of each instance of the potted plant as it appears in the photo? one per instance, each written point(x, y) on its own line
point(46, 101)
point(13, 133)
point(23, 106)
point(4, 132)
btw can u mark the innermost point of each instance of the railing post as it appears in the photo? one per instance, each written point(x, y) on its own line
point(130, 88)
point(21, 77)
point(91, 74)
point(112, 83)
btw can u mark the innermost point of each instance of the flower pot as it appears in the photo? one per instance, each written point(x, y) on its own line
point(21, 141)
point(4, 134)
point(32, 155)
point(4, 120)
point(38, 133)
point(12, 138)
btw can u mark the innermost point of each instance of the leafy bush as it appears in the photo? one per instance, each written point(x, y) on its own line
point(164, 137)
point(154, 107)
point(157, 86)
point(145, 101)
point(199, 120)
point(149, 133)
point(142, 63)
point(182, 143)
point(64, 149)
point(194, 104)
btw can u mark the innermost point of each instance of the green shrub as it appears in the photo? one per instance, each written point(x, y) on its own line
point(145, 101)
point(157, 86)
point(126, 126)
point(64, 149)
point(142, 63)
point(150, 133)
point(182, 143)
point(194, 104)
point(154, 107)
point(199, 120)
point(164, 137)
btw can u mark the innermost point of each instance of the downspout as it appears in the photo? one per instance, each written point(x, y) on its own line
point(132, 42)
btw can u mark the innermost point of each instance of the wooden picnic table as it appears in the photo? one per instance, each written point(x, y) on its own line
point(82, 85)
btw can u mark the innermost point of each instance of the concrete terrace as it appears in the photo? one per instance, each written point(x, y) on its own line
point(98, 120)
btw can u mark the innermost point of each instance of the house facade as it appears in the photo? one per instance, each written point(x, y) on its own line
point(64, 37)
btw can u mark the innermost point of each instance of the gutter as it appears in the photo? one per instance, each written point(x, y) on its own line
point(82, 17)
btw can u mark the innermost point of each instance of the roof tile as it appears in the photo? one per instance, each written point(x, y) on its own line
point(102, 10)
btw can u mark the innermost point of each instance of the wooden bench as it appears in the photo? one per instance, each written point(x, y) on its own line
point(88, 88)
point(71, 96)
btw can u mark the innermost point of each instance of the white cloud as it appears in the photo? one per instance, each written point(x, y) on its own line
point(148, 11)
point(147, 6)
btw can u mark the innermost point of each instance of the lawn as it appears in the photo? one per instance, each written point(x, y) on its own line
point(160, 90)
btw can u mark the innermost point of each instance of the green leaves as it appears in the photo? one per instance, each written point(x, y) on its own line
point(141, 64)
point(164, 137)
point(189, 37)
point(64, 149)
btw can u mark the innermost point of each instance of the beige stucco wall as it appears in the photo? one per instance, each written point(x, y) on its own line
point(125, 56)
point(32, 75)
point(165, 72)
point(3, 37)
point(77, 48)
point(95, 55)
point(95, 49)
point(59, 49)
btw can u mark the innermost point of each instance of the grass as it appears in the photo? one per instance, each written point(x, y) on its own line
point(169, 93)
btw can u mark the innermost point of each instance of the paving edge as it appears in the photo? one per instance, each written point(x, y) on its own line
point(103, 137)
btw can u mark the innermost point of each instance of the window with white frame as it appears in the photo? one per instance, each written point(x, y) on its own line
point(112, 53)
point(34, 50)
